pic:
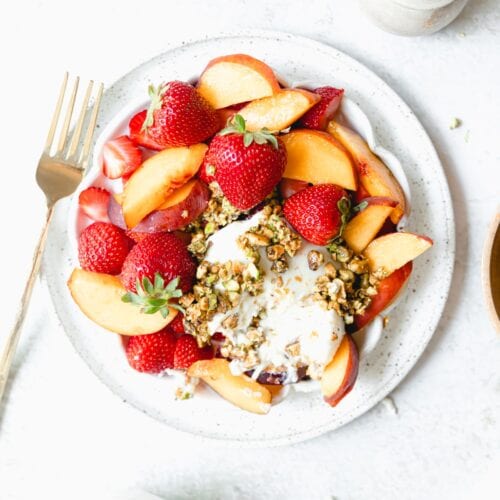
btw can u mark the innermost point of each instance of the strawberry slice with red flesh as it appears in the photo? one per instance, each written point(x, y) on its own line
point(120, 157)
point(94, 202)
point(321, 113)
point(187, 352)
point(139, 135)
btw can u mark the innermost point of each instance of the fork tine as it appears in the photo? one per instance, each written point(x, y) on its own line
point(55, 116)
point(90, 130)
point(75, 139)
point(67, 118)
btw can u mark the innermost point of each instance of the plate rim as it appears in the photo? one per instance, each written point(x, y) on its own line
point(395, 379)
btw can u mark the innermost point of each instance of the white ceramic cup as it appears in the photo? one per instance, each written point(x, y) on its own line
point(412, 17)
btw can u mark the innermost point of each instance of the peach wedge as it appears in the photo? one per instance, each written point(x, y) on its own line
point(99, 296)
point(157, 178)
point(394, 250)
point(364, 226)
point(236, 78)
point(239, 390)
point(373, 174)
point(387, 291)
point(279, 111)
point(317, 157)
point(340, 374)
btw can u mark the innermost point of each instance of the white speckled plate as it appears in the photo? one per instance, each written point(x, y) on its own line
point(302, 415)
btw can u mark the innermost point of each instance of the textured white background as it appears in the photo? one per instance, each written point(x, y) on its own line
point(63, 435)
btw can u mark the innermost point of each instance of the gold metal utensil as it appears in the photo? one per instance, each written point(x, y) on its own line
point(60, 169)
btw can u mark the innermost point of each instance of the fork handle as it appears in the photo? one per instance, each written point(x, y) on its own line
point(13, 339)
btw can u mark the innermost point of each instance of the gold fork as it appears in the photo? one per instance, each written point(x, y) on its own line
point(58, 175)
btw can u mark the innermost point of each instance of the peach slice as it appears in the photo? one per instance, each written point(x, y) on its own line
point(279, 111)
point(373, 174)
point(387, 291)
point(340, 374)
point(99, 296)
point(156, 179)
point(179, 209)
point(317, 157)
point(236, 78)
point(394, 250)
point(239, 390)
point(363, 227)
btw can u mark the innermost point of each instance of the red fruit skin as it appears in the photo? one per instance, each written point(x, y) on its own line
point(151, 353)
point(314, 214)
point(103, 248)
point(177, 325)
point(246, 174)
point(387, 291)
point(320, 114)
point(93, 202)
point(202, 173)
point(120, 157)
point(187, 352)
point(139, 136)
point(136, 237)
point(174, 217)
point(288, 187)
point(185, 117)
point(162, 253)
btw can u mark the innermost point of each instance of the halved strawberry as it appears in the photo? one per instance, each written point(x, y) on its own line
point(120, 156)
point(139, 136)
point(93, 202)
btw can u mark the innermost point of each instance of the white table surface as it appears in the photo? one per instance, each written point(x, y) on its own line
point(63, 435)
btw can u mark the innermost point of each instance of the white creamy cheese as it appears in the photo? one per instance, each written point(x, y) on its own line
point(291, 315)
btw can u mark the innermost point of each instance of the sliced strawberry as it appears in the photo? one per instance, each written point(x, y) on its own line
point(120, 157)
point(140, 136)
point(93, 202)
point(187, 352)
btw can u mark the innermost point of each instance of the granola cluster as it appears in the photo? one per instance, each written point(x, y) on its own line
point(219, 213)
point(273, 233)
point(217, 290)
point(347, 286)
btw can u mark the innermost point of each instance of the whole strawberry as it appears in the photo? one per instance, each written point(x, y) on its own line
point(321, 113)
point(151, 353)
point(318, 212)
point(179, 116)
point(248, 165)
point(207, 169)
point(102, 248)
point(177, 325)
point(157, 269)
point(140, 135)
point(187, 352)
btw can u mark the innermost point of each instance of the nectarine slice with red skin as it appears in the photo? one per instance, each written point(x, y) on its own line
point(288, 187)
point(317, 157)
point(178, 210)
point(364, 226)
point(236, 78)
point(157, 178)
point(373, 174)
point(394, 250)
point(115, 211)
point(239, 390)
point(340, 374)
point(387, 291)
point(279, 111)
point(99, 296)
